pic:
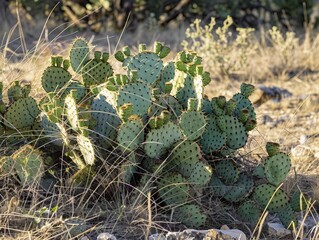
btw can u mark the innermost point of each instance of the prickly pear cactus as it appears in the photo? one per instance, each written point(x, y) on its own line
point(28, 164)
point(277, 168)
point(193, 124)
point(138, 94)
point(249, 212)
point(131, 134)
point(267, 195)
point(213, 137)
point(56, 76)
point(22, 113)
point(227, 171)
point(173, 189)
point(191, 215)
point(158, 141)
point(79, 54)
point(96, 71)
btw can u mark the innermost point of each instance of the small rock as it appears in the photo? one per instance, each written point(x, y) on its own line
point(157, 237)
point(84, 238)
point(232, 234)
point(106, 236)
point(278, 230)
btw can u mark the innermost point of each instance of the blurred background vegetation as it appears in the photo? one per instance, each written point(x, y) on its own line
point(100, 15)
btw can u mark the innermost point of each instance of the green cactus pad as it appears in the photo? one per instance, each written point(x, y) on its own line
point(96, 72)
point(168, 74)
point(246, 89)
point(272, 148)
point(259, 171)
point(166, 102)
point(241, 189)
point(131, 134)
point(74, 85)
point(6, 165)
point(265, 192)
point(201, 174)
point(79, 54)
point(148, 66)
point(193, 124)
point(227, 171)
point(87, 149)
point(249, 212)
point(139, 94)
point(173, 189)
point(288, 218)
point(235, 131)
point(185, 156)
point(242, 103)
point(217, 187)
point(299, 202)
point(276, 168)
point(190, 215)
point(28, 165)
point(54, 78)
point(105, 115)
point(213, 138)
point(206, 106)
point(22, 113)
point(158, 141)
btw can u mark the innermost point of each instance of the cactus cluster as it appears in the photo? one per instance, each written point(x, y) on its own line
point(158, 109)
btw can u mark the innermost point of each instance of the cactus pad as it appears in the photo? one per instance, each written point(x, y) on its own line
point(28, 165)
point(249, 212)
point(54, 78)
point(166, 102)
point(86, 148)
point(241, 189)
point(22, 113)
point(79, 54)
point(185, 156)
point(190, 215)
point(131, 134)
point(276, 168)
point(148, 66)
point(244, 103)
point(192, 124)
point(54, 131)
point(167, 75)
point(266, 192)
point(71, 111)
point(96, 71)
point(227, 171)
point(272, 148)
point(288, 218)
point(158, 141)
point(298, 201)
point(105, 115)
point(235, 131)
point(217, 187)
point(139, 94)
point(173, 189)
point(201, 174)
point(213, 138)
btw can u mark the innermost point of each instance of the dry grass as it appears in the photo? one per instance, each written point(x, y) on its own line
point(293, 122)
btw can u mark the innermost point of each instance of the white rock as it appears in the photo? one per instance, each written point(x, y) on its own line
point(278, 230)
point(232, 234)
point(157, 237)
point(105, 236)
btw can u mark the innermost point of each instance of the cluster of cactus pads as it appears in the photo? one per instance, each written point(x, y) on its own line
point(157, 116)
